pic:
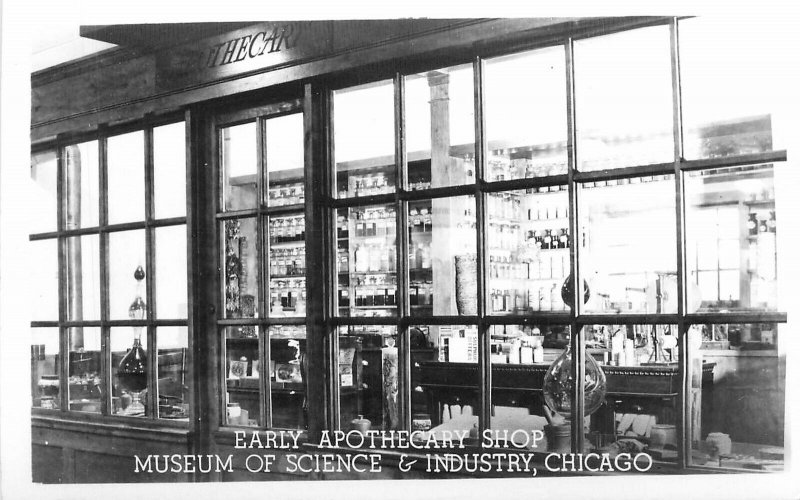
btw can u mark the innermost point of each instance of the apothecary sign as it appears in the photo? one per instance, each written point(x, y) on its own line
point(257, 47)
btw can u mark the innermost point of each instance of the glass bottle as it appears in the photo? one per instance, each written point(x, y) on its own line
point(559, 385)
point(132, 370)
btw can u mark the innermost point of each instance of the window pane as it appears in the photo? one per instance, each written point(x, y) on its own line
point(173, 376)
point(730, 239)
point(126, 272)
point(238, 146)
point(169, 170)
point(45, 367)
point(287, 266)
point(287, 374)
point(81, 185)
point(729, 86)
point(440, 127)
point(444, 378)
point(623, 99)
point(515, 408)
point(242, 375)
point(368, 378)
point(44, 196)
point(126, 178)
point(526, 115)
point(171, 291)
point(528, 250)
point(129, 362)
point(45, 275)
point(363, 136)
point(240, 274)
point(628, 245)
point(442, 257)
point(85, 358)
point(83, 278)
point(642, 372)
point(285, 160)
point(737, 396)
point(367, 261)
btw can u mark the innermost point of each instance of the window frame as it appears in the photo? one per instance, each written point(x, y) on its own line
point(262, 211)
point(575, 319)
point(103, 230)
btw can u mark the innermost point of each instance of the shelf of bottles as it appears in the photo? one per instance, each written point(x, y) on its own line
point(287, 265)
point(528, 250)
point(367, 261)
point(420, 263)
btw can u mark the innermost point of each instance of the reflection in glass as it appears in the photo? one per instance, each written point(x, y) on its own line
point(367, 261)
point(528, 250)
point(641, 366)
point(44, 273)
point(129, 359)
point(287, 374)
point(628, 245)
point(126, 254)
point(240, 267)
point(526, 115)
point(43, 195)
point(242, 375)
point(169, 170)
point(729, 106)
point(45, 366)
point(81, 185)
point(442, 257)
point(368, 378)
point(444, 378)
point(363, 135)
point(85, 389)
point(238, 146)
point(173, 381)
point(285, 160)
point(521, 359)
point(287, 266)
point(737, 405)
point(440, 127)
point(623, 99)
point(83, 278)
point(731, 257)
point(170, 289)
point(126, 178)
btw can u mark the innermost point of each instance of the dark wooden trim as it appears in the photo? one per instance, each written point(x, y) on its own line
point(734, 161)
point(737, 317)
point(577, 337)
point(625, 172)
point(528, 183)
point(627, 319)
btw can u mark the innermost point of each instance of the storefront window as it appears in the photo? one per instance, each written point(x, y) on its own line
point(738, 416)
point(731, 230)
point(367, 375)
point(444, 379)
point(263, 268)
point(623, 99)
point(526, 115)
point(528, 250)
point(364, 140)
point(729, 107)
point(45, 367)
point(113, 279)
point(440, 128)
point(126, 178)
point(85, 389)
point(367, 261)
point(44, 174)
point(627, 244)
point(442, 261)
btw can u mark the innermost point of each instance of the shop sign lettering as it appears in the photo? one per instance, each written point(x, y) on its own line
point(250, 46)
